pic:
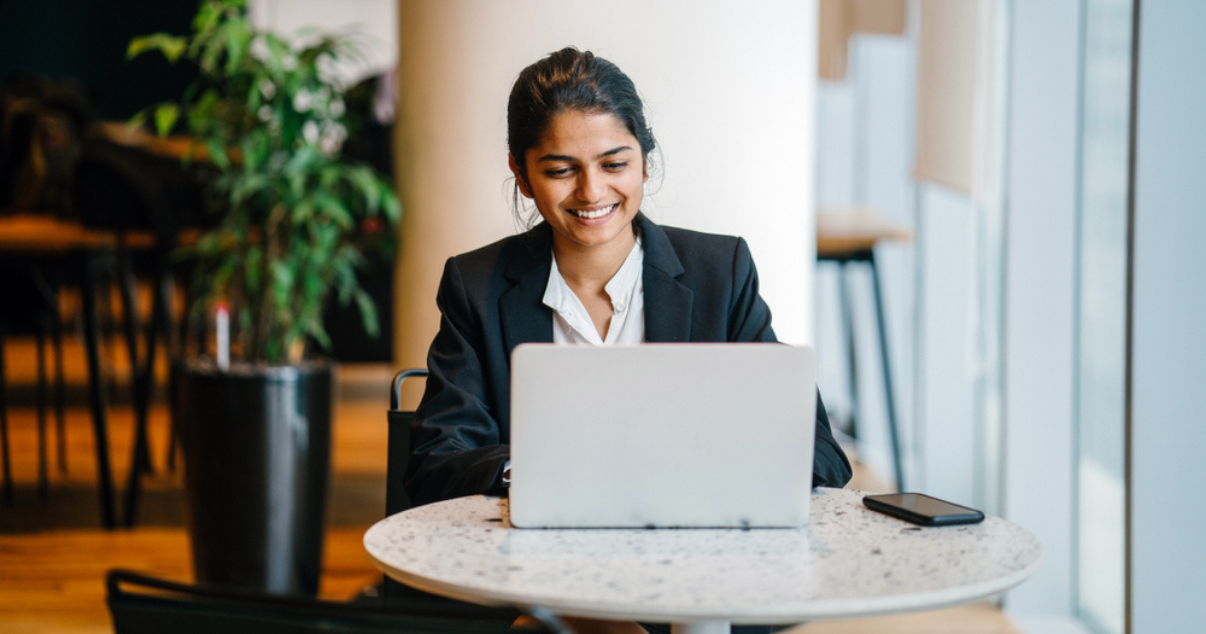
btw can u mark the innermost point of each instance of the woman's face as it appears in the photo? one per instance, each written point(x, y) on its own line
point(586, 176)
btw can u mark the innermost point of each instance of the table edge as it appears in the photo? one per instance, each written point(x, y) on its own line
point(818, 610)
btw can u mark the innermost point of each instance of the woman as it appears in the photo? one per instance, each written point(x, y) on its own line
point(596, 271)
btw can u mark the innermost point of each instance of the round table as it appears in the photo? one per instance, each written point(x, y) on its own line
point(849, 561)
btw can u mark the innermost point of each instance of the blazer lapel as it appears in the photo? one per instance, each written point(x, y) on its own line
point(667, 302)
point(522, 313)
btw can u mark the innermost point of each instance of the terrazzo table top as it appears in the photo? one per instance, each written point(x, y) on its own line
point(849, 561)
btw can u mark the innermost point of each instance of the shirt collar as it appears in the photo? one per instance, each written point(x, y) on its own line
point(619, 288)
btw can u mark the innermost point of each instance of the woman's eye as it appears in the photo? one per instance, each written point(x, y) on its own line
point(557, 173)
point(616, 166)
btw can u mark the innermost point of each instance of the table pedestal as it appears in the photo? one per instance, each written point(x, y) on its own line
point(700, 627)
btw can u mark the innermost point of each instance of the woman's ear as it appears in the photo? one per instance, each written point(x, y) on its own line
point(644, 169)
point(519, 179)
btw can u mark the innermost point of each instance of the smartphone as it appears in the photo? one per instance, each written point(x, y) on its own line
point(922, 509)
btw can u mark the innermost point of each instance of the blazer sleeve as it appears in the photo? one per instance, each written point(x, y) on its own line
point(457, 450)
point(750, 320)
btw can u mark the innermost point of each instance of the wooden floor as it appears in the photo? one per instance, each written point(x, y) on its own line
point(53, 553)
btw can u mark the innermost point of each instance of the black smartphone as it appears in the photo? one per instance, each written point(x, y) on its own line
point(922, 509)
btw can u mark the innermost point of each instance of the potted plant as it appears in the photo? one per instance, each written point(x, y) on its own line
point(268, 114)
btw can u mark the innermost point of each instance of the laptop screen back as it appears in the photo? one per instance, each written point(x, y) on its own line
point(668, 435)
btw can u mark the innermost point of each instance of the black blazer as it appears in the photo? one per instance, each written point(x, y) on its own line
point(698, 287)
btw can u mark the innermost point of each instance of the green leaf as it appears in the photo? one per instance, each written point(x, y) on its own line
point(304, 210)
point(140, 118)
point(170, 45)
point(283, 277)
point(364, 180)
point(368, 312)
point(336, 210)
point(389, 202)
point(217, 154)
point(166, 116)
point(237, 39)
point(208, 15)
point(278, 51)
point(314, 329)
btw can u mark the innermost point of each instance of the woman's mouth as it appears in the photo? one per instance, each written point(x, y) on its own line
point(595, 213)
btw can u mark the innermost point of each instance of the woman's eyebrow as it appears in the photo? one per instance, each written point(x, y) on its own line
point(563, 157)
point(614, 151)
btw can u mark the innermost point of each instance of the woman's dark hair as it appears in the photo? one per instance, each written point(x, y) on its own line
point(571, 80)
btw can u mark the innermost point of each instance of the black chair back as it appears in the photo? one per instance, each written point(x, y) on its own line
point(140, 604)
point(401, 439)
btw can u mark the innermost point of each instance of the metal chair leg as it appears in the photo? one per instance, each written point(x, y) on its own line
point(887, 366)
point(97, 394)
point(138, 382)
point(847, 319)
point(145, 375)
point(4, 448)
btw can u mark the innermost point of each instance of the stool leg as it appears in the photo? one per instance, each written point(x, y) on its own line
point(893, 429)
point(96, 391)
point(138, 381)
point(142, 449)
point(4, 450)
point(43, 396)
point(60, 389)
point(847, 319)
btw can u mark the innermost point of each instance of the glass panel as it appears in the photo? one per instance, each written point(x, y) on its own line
point(1102, 312)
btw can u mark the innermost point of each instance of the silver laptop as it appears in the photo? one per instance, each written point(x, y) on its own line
point(661, 435)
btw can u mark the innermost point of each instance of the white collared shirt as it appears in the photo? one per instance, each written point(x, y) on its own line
point(571, 322)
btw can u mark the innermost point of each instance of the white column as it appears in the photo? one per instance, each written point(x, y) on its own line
point(1040, 295)
point(1168, 343)
point(729, 91)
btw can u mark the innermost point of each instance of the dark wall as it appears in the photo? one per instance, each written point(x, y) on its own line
point(86, 40)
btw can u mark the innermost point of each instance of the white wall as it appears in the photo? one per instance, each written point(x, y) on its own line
point(946, 442)
point(729, 95)
point(374, 22)
point(1040, 295)
point(1168, 404)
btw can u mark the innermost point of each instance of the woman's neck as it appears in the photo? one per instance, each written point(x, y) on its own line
point(590, 268)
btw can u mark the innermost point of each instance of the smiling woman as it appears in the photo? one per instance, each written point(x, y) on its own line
point(595, 271)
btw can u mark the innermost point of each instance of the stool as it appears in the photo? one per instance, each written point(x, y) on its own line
point(850, 235)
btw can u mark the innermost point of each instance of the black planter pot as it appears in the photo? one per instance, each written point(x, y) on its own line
point(257, 450)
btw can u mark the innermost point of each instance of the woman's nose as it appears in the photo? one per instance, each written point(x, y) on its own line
point(590, 186)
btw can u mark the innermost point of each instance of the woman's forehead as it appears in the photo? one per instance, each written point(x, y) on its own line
point(583, 134)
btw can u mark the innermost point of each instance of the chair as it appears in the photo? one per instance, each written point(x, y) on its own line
point(141, 604)
point(402, 434)
point(32, 304)
point(401, 439)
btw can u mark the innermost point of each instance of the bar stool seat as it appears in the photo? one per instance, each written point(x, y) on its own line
point(846, 235)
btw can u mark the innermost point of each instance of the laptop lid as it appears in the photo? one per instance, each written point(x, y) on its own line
point(666, 435)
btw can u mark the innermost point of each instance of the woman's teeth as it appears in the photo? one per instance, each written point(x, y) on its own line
point(597, 213)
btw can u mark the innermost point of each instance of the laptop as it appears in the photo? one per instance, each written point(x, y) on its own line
point(661, 435)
